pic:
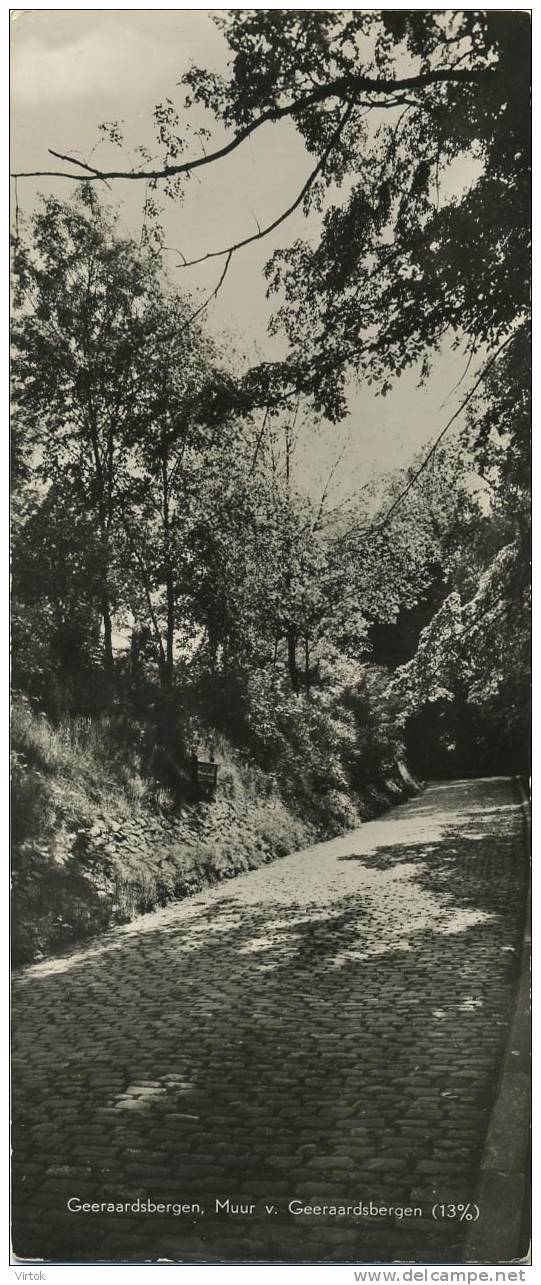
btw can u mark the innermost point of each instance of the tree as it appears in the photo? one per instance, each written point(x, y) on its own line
point(404, 261)
point(401, 262)
point(403, 256)
point(464, 697)
point(56, 570)
point(498, 432)
point(106, 371)
point(79, 295)
point(389, 103)
point(167, 442)
point(463, 693)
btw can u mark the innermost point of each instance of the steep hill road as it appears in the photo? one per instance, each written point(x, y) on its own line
point(325, 1030)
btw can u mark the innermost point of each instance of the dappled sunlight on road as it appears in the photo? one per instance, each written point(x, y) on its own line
point(407, 857)
point(327, 1025)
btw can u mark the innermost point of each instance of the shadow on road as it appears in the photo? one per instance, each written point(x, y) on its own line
point(329, 1030)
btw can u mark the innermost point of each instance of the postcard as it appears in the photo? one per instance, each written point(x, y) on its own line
point(270, 489)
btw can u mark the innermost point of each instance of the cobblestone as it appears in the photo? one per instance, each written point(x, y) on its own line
point(333, 1020)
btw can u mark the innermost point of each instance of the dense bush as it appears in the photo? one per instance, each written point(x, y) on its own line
point(326, 749)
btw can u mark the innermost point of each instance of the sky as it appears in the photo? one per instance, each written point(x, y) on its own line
point(73, 69)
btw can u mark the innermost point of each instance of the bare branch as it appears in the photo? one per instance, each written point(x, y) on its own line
point(316, 524)
point(262, 232)
point(16, 214)
point(143, 224)
point(209, 299)
point(379, 526)
point(460, 381)
point(259, 441)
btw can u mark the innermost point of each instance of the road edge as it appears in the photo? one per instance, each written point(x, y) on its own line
point(503, 1190)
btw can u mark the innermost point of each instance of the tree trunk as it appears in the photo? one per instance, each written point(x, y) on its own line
point(167, 675)
point(107, 633)
point(170, 594)
point(292, 657)
point(307, 666)
point(104, 506)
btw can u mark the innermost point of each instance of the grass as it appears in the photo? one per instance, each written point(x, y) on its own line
point(97, 840)
point(95, 843)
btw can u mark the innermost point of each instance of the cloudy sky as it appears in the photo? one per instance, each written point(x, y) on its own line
point(73, 69)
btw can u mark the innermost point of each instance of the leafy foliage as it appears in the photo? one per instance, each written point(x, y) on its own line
point(473, 658)
point(174, 587)
point(154, 475)
point(149, 504)
point(404, 258)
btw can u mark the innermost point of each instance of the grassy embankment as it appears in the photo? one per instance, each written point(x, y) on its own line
point(96, 842)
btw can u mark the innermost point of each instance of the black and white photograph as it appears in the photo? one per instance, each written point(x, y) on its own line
point(270, 638)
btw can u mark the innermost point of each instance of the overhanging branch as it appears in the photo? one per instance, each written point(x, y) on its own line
point(343, 87)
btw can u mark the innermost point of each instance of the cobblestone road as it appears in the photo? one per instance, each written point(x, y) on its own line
point(328, 1029)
